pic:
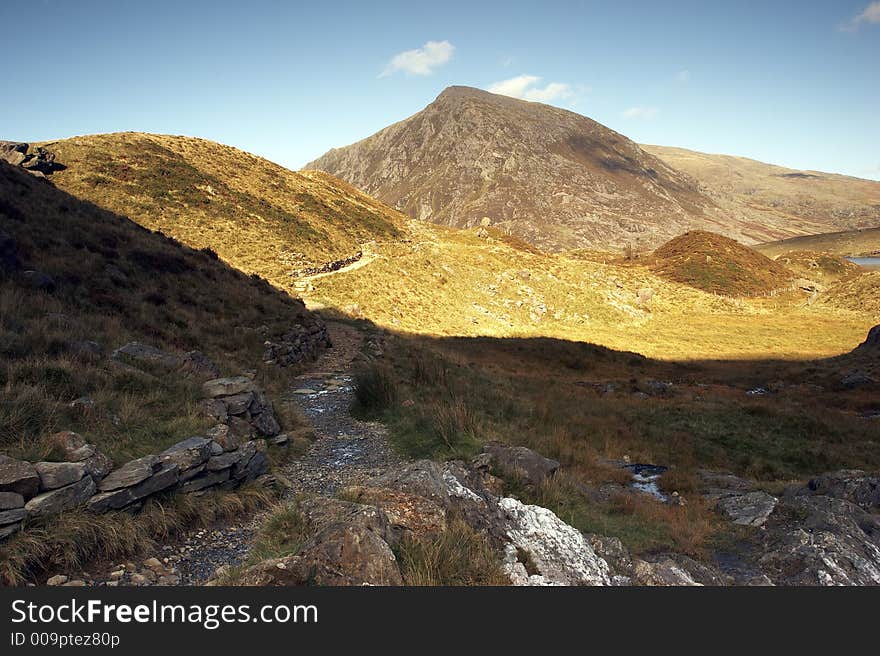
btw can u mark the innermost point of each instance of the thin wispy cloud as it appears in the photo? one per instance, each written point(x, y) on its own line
point(420, 61)
point(870, 15)
point(646, 113)
point(527, 87)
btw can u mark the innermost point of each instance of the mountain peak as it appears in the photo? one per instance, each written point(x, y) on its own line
point(550, 176)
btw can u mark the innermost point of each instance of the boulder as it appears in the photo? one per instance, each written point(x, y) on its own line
point(131, 473)
point(59, 474)
point(98, 465)
point(558, 553)
point(224, 460)
point(215, 409)
point(340, 554)
point(65, 498)
point(9, 529)
point(747, 509)
point(320, 512)
point(19, 477)
point(516, 461)
point(228, 386)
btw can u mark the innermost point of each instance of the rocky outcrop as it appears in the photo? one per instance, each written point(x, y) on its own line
point(40, 161)
point(736, 499)
point(353, 540)
point(558, 553)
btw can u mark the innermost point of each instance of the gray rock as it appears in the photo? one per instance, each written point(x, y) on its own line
point(54, 475)
point(252, 463)
point(857, 379)
point(206, 480)
point(851, 485)
point(146, 354)
point(216, 448)
point(266, 423)
point(19, 477)
point(748, 509)
point(98, 465)
point(223, 461)
point(558, 553)
point(188, 453)
point(197, 365)
point(10, 500)
point(62, 499)
point(13, 516)
point(228, 437)
point(238, 404)
point(131, 473)
point(215, 409)
point(9, 529)
point(517, 461)
point(228, 386)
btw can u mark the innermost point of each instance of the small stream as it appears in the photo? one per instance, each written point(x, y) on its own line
point(645, 478)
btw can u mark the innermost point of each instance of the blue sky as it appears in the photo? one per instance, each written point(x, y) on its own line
point(793, 83)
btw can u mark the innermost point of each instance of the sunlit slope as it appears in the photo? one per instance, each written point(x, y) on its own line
point(258, 216)
point(457, 283)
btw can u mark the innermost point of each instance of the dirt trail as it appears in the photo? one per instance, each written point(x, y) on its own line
point(346, 452)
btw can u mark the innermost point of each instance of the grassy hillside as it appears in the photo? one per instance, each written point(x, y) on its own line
point(788, 201)
point(422, 278)
point(258, 216)
point(818, 266)
point(104, 281)
point(719, 265)
point(850, 242)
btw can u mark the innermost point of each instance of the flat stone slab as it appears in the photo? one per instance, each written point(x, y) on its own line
point(10, 500)
point(54, 475)
point(65, 498)
point(749, 509)
point(228, 386)
point(131, 473)
point(18, 476)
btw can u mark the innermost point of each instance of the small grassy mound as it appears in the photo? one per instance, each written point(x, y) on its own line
point(720, 265)
point(858, 294)
point(821, 267)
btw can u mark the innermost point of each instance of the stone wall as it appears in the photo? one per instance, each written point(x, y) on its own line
point(232, 453)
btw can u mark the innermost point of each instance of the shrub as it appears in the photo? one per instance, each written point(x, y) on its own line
point(375, 390)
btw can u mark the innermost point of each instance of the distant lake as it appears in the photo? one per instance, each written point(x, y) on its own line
point(866, 262)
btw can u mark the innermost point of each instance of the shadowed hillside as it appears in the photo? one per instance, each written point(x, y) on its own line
point(77, 282)
point(850, 242)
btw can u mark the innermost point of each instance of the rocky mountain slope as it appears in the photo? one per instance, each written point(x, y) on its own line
point(788, 200)
point(553, 177)
point(258, 216)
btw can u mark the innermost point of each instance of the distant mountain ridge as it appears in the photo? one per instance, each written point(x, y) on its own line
point(551, 176)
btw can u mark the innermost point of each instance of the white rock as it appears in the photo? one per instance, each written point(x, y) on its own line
point(559, 552)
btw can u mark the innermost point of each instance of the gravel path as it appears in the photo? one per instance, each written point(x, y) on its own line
point(346, 452)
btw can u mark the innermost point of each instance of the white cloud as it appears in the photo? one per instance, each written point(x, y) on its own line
point(527, 88)
point(641, 112)
point(869, 15)
point(421, 61)
point(683, 77)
